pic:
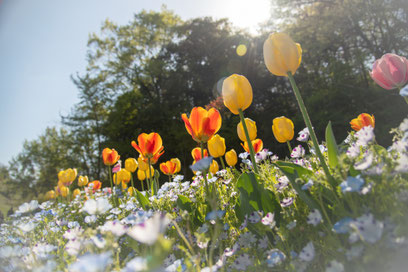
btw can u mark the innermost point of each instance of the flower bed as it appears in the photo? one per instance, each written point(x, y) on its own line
point(329, 207)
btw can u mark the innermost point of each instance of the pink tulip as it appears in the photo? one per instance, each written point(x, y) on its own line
point(390, 72)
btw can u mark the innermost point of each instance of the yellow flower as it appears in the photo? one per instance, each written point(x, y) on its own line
point(252, 130)
point(50, 195)
point(82, 181)
point(237, 93)
point(131, 165)
point(76, 192)
point(123, 175)
point(283, 129)
point(282, 54)
point(143, 166)
point(141, 175)
point(216, 146)
point(63, 190)
point(214, 167)
point(231, 157)
point(67, 176)
point(131, 190)
point(124, 185)
point(177, 161)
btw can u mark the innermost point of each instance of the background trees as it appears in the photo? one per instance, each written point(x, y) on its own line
point(141, 76)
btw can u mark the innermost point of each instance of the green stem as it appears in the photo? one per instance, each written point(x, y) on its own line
point(251, 148)
point(150, 177)
point(290, 147)
point(131, 180)
point(222, 162)
point(147, 182)
point(110, 178)
point(207, 190)
point(308, 123)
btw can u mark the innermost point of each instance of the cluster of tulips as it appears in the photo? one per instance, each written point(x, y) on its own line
point(311, 212)
point(282, 58)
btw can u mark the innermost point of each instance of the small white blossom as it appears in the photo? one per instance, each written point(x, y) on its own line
point(307, 253)
point(314, 218)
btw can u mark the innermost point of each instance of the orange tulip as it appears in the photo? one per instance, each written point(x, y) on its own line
point(150, 146)
point(196, 153)
point(178, 163)
point(168, 168)
point(110, 156)
point(257, 144)
point(362, 120)
point(202, 124)
point(96, 185)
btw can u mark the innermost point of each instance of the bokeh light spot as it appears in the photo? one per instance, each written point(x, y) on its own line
point(241, 50)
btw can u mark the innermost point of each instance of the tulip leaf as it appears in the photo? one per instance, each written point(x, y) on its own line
point(332, 149)
point(184, 203)
point(290, 168)
point(254, 197)
point(144, 201)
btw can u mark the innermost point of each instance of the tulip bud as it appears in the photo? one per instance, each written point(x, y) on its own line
point(231, 157)
point(252, 130)
point(237, 93)
point(216, 146)
point(110, 156)
point(141, 175)
point(82, 181)
point(214, 167)
point(281, 54)
point(390, 71)
point(143, 166)
point(131, 165)
point(362, 120)
point(95, 185)
point(283, 129)
point(178, 163)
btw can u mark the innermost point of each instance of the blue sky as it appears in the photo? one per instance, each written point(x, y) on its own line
point(43, 43)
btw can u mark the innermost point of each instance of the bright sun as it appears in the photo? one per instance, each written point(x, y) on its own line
point(244, 13)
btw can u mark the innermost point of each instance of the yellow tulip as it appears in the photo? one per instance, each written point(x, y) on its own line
point(216, 146)
point(141, 175)
point(237, 93)
point(282, 54)
point(283, 129)
point(231, 157)
point(124, 185)
point(178, 163)
point(76, 192)
point(82, 181)
point(143, 166)
point(131, 165)
point(214, 167)
point(63, 190)
point(50, 195)
point(123, 175)
point(252, 130)
point(131, 190)
point(67, 176)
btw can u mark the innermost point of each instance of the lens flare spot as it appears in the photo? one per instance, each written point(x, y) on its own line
point(241, 50)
